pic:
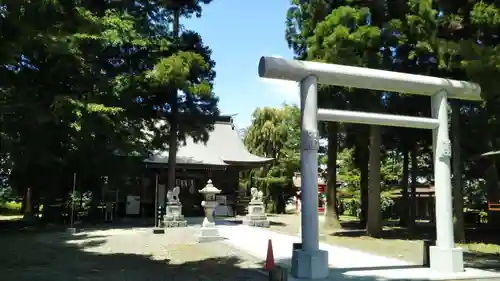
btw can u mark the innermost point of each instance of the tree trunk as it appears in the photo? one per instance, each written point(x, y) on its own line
point(458, 198)
point(331, 216)
point(362, 156)
point(28, 210)
point(413, 196)
point(403, 216)
point(28, 214)
point(374, 220)
point(363, 182)
point(172, 143)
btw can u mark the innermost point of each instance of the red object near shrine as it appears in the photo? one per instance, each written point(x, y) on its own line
point(493, 206)
point(321, 203)
point(321, 192)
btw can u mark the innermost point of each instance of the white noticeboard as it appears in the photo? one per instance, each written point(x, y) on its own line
point(221, 199)
point(133, 205)
point(222, 210)
point(161, 195)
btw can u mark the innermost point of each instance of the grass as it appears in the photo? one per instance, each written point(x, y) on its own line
point(397, 242)
point(483, 248)
point(10, 217)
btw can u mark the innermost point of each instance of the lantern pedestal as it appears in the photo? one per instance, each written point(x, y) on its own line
point(209, 231)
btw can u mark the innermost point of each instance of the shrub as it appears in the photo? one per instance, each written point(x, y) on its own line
point(351, 206)
point(10, 207)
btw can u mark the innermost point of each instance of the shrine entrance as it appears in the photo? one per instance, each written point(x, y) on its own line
point(309, 261)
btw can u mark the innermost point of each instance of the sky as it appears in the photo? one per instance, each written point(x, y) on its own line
point(238, 35)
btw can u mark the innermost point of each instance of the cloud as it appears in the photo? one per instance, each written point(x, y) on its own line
point(286, 90)
point(282, 89)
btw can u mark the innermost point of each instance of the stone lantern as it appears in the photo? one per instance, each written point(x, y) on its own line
point(209, 231)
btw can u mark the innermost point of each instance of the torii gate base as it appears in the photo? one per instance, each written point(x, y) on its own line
point(310, 262)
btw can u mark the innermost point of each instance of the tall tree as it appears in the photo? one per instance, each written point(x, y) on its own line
point(178, 8)
point(275, 133)
point(111, 62)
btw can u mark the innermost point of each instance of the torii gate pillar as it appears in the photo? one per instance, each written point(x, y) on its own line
point(310, 261)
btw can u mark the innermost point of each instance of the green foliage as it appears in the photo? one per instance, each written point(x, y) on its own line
point(352, 206)
point(344, 37)
point(348, 173)
point(83, 81)
point(10, 208)
point(274, 133)
point(456, 39)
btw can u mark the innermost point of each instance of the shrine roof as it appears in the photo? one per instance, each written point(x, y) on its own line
point(223, 148)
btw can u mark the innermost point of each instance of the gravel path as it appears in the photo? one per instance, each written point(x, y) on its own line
point(125, 255)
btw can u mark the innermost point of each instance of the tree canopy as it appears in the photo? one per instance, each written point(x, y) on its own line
point(82, 82)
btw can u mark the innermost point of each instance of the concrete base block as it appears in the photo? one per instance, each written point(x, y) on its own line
point(157, 230)
point(257, 223)
point(446, 259)
point(278, 273)
point(256, 220)
point(251, 217)
point(72, 230)
point(170, 224)
point(310, 264)
point(174, 220)
point(173, 217)
point(209, 234)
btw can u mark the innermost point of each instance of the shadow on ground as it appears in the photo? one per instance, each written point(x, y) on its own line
point(16, 226)
point(476, 234)
point(425, 231)
point(482, 260)
point(342, 274)
point(38, 256)
point(240, 221)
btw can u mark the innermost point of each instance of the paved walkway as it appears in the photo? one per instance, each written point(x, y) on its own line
point(254, 241)
point(345, 264)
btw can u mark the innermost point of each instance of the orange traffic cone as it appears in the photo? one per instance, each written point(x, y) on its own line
point(270, 257)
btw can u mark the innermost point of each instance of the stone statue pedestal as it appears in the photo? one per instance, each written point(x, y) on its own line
point(256, 215)
point(173, 216)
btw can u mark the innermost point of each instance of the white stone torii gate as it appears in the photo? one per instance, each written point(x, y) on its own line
point(310, 262)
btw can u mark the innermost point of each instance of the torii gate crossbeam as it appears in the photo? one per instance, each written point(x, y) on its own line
point(310, 262)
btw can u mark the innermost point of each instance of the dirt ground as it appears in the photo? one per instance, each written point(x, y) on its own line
point(10, 217)
point(133, 254)
point(124, 255)
point(481, 252)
